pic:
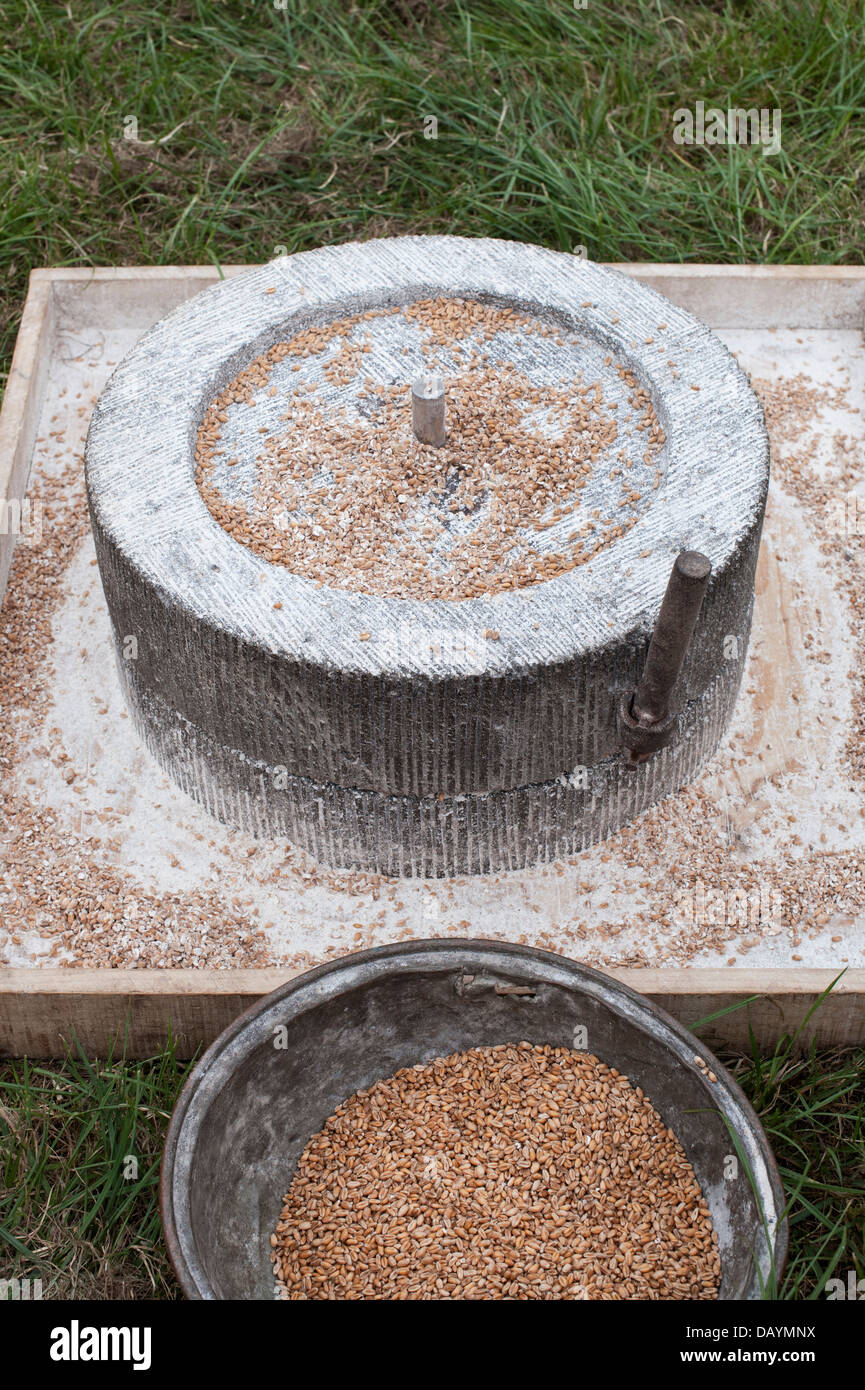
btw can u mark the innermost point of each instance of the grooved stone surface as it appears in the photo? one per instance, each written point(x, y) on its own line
point(424, 746)
point(430, 836)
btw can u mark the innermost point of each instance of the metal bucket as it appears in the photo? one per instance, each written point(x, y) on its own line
point(274, 1076)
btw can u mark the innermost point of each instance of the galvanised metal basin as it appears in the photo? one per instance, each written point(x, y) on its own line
point(275, 1075)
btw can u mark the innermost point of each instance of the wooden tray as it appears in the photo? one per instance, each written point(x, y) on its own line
point(41, 1006)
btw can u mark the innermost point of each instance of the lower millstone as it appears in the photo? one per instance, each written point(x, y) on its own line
point(429, 836)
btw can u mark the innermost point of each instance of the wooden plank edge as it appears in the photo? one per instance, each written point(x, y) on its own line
point(41, 1010)
point(724, 296)
point(22, 406)
point(748, 270)
point(683, 270)
point(683, 980)
point(63, 274)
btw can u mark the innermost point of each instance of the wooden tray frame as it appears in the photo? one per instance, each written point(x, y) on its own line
point(43, 1009)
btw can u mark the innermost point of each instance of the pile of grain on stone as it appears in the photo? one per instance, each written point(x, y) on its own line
point(510, 1172)
point(349, 497)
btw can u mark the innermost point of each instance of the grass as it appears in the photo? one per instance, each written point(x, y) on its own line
point(77, 1214)
point(812, 1107)
point(193, 132)
point(80, 1148)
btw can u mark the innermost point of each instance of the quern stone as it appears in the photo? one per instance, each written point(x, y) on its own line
point(414, 737)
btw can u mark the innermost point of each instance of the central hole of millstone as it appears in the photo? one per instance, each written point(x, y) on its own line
point(552, 451)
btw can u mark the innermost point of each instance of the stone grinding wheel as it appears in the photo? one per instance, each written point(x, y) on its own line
point(402, 735)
